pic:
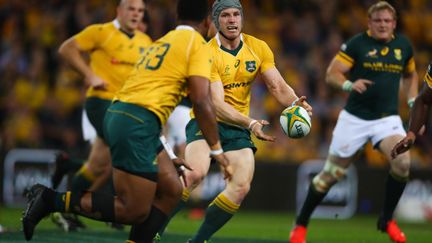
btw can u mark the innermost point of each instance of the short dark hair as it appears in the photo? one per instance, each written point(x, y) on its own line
point(193, 10)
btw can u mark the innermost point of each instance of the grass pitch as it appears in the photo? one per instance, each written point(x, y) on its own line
point(246, 226)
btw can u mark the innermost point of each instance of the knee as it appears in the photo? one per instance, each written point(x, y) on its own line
point(173, 189)
point(194, 178)
point(131, 215)
point(329, 176)
point(99, 167)
point(239, 190)
point(401, 165)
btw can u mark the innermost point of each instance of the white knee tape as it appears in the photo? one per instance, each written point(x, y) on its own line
point(319, 184)
point(334, 170)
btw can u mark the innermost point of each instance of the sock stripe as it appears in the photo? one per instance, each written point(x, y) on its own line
point(67, 201)
point(225, 204)
point(185, 195)
point(86, 173)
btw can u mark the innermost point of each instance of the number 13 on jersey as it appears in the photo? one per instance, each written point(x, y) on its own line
point(154, 57)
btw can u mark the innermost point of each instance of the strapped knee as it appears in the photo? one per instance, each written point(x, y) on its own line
point(334, 170)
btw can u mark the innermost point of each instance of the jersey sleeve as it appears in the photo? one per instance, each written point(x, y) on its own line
point(90, 37)
point(410, 65)
point(347, 52)
point(267, 57)
point(428, 76)
point(200, 59)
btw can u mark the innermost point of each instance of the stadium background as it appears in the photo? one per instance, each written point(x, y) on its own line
point(41, 97)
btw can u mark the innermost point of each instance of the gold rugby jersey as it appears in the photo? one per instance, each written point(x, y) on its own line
point(113, 54)
point(158, 82)
point(238, 68)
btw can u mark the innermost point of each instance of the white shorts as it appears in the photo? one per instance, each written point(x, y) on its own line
point(176, 125)
point(351, 132)
point(88, 131)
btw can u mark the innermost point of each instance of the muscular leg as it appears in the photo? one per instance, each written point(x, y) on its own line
point(397, 178)
point(197, 156)
point(96, 171)
point(169, 190)
point(333, 170)
point(227, 203)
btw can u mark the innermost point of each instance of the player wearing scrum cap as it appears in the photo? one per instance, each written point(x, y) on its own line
point(238, 59)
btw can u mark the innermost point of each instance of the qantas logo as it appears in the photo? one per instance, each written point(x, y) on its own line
point(237, 85)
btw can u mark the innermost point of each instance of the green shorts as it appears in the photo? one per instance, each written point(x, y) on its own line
point(95, 109)
point(132, 133)
point(232, 137)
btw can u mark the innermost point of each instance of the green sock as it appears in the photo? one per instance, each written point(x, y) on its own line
point(74, 164)
point(62, 201)
point(219, 212)
point(83, 179)
point(180, 206)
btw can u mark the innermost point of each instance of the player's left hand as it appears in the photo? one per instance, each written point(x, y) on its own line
point(403, 145)
point(303, 103)
point(181, 166)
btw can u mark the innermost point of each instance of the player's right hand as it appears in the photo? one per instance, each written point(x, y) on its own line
point(403, 145)
point(96, 82)
point(361, 85)
point(225, 165)
point(256, 129)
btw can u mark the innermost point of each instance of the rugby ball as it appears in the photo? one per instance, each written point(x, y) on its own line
point(295, 121)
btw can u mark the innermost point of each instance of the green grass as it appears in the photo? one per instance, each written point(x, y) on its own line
point(246, 226)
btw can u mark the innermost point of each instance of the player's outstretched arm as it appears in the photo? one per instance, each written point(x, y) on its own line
point(283, 93)
point(229, 114)
point(206, 117)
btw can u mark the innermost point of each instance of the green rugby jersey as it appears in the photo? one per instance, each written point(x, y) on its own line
point(381, 62)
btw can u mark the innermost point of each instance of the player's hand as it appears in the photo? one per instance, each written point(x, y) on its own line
point(361, 85)
point(96, 82)
point(403, 145)
point(256, 129)
point(225, 165)
point(181, 166)
point(303, 103)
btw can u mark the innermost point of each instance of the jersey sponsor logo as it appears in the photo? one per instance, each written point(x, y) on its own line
point(384, 51)
point(141, 50)
point(120, 62)
point(237, 85)
point(398, 54)
point(250, 66)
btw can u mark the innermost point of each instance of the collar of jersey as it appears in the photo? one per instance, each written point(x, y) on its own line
point(217, 37)
point(116, 24)
point(184, 27)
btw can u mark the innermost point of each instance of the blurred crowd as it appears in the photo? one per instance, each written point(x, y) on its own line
point(41, 97)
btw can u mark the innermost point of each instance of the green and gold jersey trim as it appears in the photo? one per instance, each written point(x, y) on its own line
point(428, 78)
point(345, 59)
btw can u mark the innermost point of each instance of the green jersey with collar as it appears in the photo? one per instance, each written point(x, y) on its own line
point(383, 63)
